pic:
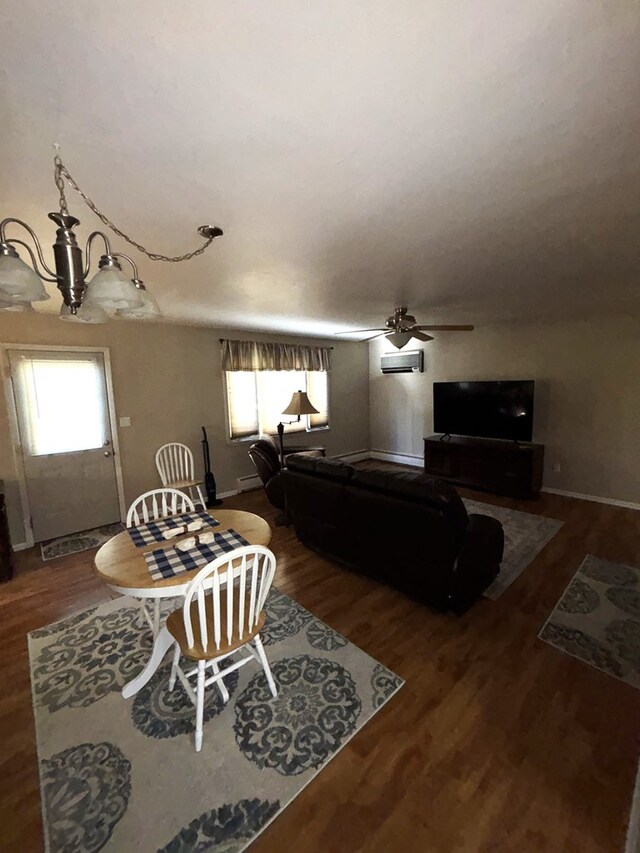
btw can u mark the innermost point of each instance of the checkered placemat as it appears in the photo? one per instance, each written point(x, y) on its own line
point(169, 562)
point(153, 531)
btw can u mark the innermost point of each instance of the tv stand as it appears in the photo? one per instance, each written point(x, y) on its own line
point(501, 467)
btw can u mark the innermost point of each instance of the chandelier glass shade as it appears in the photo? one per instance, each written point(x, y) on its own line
point(18, 281)
point(147, 309)
point(84, 314)
point(110, 289)
point(85, 300)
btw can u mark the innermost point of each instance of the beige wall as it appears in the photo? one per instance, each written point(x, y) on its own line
point(587, 403)
point(168, 380)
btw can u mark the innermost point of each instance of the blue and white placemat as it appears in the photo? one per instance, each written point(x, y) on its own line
point(169, 562)
point(153, 531)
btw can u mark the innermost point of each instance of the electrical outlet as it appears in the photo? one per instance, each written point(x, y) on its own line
point(124, 422)
point(556, 468)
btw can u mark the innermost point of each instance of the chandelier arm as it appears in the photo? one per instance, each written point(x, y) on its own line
point(3, 226)
point(33, 258)
point(131, 261)
point(209, 232)
point(90, 240)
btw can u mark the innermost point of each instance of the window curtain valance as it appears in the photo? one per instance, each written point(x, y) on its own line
point(256, 355)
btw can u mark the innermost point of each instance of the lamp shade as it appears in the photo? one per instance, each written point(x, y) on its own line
point(17, 307)
point(300, 405)
point(111, 290)
point(146, 311)
point(18, 282)
point(85, 314)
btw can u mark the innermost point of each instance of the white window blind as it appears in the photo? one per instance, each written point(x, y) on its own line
point(242, 404)
point(61, 404)
point(275, 388)
point(256, 400)
point(318, 391)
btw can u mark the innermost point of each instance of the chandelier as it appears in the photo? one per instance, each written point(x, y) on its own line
point(109, 292)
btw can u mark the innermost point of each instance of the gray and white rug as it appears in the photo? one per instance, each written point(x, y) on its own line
point(124, 775)
point(525, 535)
point(598, 618)
point(75, 542)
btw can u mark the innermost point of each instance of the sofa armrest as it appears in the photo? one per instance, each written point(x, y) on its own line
point(479, 559)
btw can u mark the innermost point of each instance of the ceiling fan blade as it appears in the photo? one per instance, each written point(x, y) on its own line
point(420, 336)
point(358, 331)
point(445, 328)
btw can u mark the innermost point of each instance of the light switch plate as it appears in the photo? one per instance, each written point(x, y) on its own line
point(125, 422)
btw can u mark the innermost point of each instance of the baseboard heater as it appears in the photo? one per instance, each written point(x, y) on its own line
point(246, 484)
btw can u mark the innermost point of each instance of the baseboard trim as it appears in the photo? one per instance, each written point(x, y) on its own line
point(399, 458)
point(596, 498)
point(229, 494)
point(355, 456)
point(20, 546)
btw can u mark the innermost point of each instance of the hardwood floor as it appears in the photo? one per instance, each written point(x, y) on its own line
point(497, 742)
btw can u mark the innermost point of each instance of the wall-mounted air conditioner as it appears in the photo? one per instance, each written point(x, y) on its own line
point(403, 362)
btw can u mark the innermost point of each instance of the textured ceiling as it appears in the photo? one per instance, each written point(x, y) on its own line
point(476, 160)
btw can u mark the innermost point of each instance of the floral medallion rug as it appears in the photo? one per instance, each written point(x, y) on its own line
point(598, 619)
point(525, 535)
point(74, 542)
point(123, 775)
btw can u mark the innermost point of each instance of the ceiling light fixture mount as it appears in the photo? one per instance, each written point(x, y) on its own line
point(110, 290)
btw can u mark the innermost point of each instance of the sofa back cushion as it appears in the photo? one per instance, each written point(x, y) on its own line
point(318, 466)
point(415, 488)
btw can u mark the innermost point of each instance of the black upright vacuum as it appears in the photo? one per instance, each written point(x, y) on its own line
point(209, 479)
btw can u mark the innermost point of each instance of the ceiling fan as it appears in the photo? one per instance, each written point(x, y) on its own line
point(400, 327)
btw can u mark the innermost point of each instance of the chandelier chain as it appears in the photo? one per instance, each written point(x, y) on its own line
point(61, 172)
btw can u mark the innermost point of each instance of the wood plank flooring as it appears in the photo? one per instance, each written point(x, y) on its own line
point(497, 742)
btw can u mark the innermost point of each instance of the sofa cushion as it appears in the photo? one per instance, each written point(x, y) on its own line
point(330, 469)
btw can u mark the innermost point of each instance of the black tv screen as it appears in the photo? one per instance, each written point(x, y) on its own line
point(484, 409)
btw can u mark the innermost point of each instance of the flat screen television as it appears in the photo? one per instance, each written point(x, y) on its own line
point(484, 409)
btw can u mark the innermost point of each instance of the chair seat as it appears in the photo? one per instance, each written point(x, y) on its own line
point(183, 484)
point(176, 627)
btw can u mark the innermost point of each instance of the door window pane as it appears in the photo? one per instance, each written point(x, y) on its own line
point(62, 404)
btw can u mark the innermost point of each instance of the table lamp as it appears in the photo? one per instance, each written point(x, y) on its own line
point(300, 405)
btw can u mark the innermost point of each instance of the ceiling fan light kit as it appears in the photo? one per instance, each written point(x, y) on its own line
point(401, 327)
point(110, 291)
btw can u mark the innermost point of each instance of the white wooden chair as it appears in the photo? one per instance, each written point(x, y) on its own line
point(222, 615)
point(174, 462)
point(150, 506)
point(158, 503)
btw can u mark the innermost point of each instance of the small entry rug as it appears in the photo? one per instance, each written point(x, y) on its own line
point(123, 775)
point(597, 619)
point(525, 535)
point(74, 542)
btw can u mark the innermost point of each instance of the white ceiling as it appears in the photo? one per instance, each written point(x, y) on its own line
point(476, 160)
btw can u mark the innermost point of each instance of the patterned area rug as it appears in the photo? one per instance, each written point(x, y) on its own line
point(75, 542)
point(124, 775)
point(525, 535)
point(598, 619)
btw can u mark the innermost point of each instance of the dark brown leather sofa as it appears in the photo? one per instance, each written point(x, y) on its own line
point(404, 529)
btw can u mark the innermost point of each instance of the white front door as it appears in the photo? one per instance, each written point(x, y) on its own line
point(66, 440)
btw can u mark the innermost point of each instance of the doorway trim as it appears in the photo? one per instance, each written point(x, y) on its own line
point(16, 446)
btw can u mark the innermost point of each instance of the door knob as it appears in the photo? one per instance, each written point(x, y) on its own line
point(107, 453)
point(107, 442)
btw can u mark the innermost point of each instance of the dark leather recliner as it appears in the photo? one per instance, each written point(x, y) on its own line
point(404, 529)
point(265, 457)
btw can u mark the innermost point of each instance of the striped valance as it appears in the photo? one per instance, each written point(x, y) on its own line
point(256, 355)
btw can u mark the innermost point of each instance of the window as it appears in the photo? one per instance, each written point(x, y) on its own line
point(256, 399)
point(62, 403)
